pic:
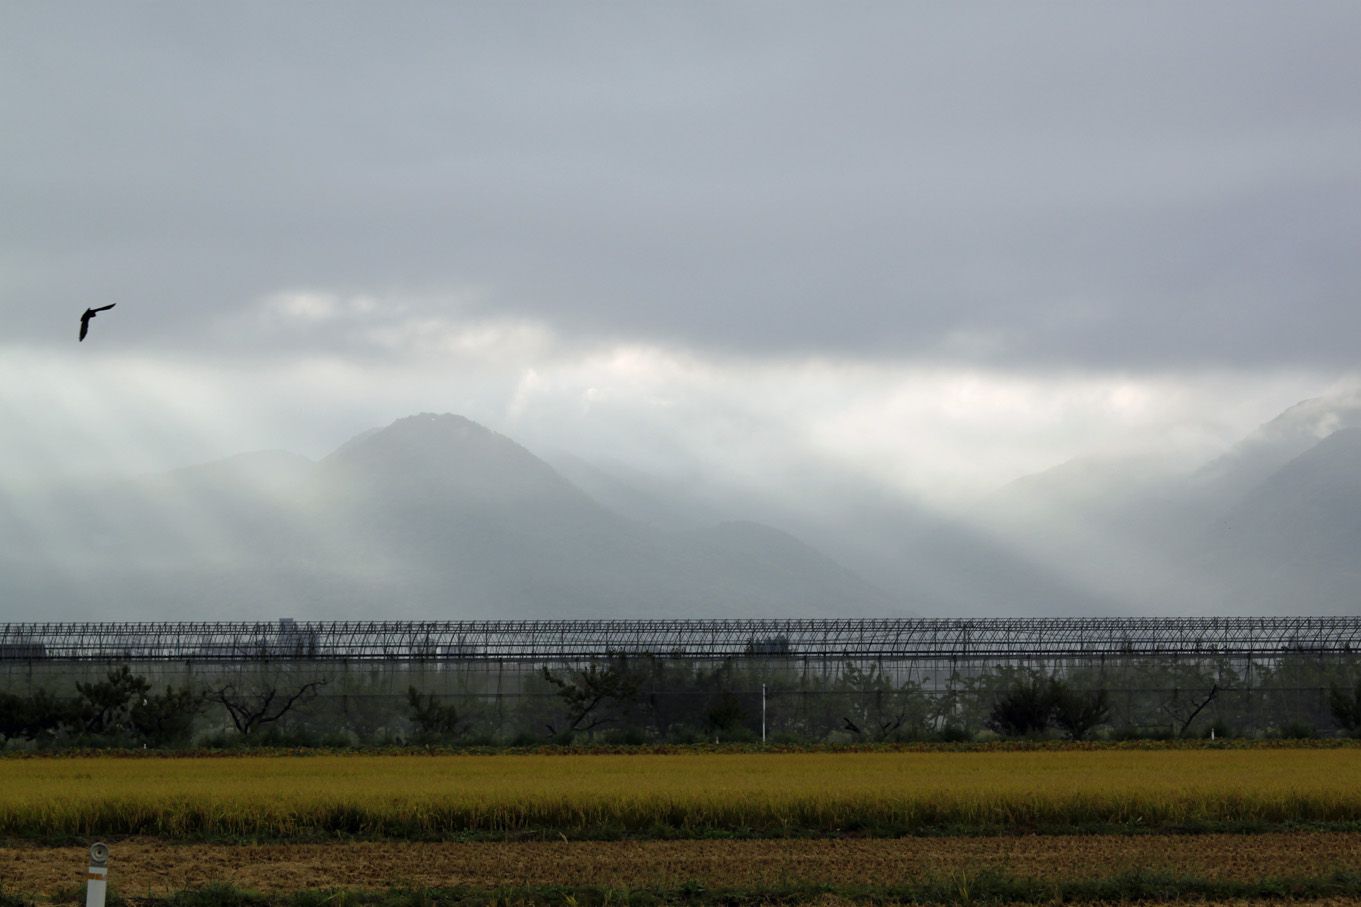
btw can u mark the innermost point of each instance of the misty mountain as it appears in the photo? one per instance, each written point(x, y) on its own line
point(1294, 541)
point(1268, 527)
point(944, 565)
point(458, 507)
point(1275, 444)
point(432, 516)
point(1153, 494)
point(642, 497)
point(1139, 500)
point(436, 516)
point(934, 562)
point(1308, 509)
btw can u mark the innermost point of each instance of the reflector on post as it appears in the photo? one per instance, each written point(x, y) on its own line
point(97, 878)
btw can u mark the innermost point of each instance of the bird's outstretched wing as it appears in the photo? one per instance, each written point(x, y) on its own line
point(84, 327)
point(104, 308)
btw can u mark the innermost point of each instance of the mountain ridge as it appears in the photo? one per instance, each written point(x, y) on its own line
point(430, 515)
point(434, 515)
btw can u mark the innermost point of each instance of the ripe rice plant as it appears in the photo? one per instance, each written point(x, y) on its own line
point(692, 795)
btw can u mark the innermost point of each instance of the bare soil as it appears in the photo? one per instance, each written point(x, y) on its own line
point(144, 866)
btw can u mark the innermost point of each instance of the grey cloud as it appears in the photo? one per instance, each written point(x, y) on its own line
point(1152, 185)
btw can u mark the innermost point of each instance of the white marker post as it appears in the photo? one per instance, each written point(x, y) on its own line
point(97, 879)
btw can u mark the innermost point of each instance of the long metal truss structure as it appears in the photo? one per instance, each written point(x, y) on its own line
point(1017, 639)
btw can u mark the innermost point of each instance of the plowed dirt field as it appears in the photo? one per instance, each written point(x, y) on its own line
point(143, 866)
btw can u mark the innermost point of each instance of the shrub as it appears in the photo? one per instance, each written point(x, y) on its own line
point(165, 719)
point(433, 720)
point(104, 707)
point(1346, 707)
point(1079, 712)
point(1298, 730)
point(1025, 709)
point(33, 717)
point(954, 733)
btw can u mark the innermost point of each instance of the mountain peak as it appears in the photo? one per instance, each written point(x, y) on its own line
point(434, 455)
point(436, 419)
point(1313, 419)
point(438, 434)
point(1277, 442)
point(448, 425)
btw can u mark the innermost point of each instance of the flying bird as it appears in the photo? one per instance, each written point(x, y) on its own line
point(90, 313)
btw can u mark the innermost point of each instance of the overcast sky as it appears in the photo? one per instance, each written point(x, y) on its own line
point(936, 245)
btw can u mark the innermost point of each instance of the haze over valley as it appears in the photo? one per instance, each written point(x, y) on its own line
point(435, 516)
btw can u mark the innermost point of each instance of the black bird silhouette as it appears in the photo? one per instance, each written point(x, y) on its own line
point(90, 313)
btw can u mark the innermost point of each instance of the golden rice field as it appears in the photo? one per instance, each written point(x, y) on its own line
point(676, 795)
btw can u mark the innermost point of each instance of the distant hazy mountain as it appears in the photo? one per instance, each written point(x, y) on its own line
point(1252, 460)
point(936, 563)
point(1311, 507)
point(433, 516)
point(438, 517)
point(1105, 524)
point(1294, 541)
point(470, 515)
point(639, 496)
point(1130, 495)
point(1268, 527)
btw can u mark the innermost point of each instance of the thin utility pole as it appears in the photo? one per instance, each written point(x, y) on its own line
point(763, 713)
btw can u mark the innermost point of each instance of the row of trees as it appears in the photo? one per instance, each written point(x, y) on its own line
point(122, 708)
point(661, 699)
point(642, 698)
point(1009, 701)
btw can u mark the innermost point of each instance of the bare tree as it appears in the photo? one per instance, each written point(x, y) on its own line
point(879, 709)
point(263, 704)
point(586, 694)
point(1176, 707)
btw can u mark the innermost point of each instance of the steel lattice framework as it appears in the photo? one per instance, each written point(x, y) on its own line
point(577, 640)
